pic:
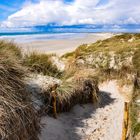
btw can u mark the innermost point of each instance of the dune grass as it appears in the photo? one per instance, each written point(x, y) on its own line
point(136, 60)
point(18, 119)
point(10, 47)
point(134, 113)
point(69, 93)
point(41, 63)
point(135, 107)
point(117, 44)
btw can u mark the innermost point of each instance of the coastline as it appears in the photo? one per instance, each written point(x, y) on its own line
point(62, 46)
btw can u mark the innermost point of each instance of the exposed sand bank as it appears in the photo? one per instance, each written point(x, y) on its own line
point(88, 122)
point(61, 46)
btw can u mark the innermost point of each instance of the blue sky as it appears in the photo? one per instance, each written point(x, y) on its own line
point(31, 15)
point(8, 7)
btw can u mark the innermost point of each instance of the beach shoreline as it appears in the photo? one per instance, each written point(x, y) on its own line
point(61, 46)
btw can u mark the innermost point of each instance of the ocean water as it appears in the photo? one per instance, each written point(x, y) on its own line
point(16, 37)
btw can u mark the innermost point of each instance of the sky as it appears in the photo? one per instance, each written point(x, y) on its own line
point(31, 15)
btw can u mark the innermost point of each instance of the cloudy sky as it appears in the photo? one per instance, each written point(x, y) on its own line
point(28, 14)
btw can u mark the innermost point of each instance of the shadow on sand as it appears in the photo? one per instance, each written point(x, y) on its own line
point(68, 125)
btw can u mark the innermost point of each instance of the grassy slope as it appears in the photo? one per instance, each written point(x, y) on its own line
point(117, 44)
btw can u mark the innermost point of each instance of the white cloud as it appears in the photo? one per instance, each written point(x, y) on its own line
point(77, 12)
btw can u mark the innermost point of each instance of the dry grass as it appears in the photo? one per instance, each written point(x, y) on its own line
point(11, 48)
point(134, 109)
point(41, 63)
point(68, 55)
point(17, 116)
point(78, 90)
point(136, 60)
point(70, 70)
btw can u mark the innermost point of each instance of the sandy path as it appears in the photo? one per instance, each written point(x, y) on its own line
point(88, 122)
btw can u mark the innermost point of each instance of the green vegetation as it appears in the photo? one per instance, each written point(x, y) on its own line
point(41, 63)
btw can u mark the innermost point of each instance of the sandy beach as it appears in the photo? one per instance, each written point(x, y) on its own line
point(61, 46)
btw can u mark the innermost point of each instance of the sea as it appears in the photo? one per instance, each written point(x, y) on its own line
point(30, 37)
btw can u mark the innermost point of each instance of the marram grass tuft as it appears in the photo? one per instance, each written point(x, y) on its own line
point(18, 119)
